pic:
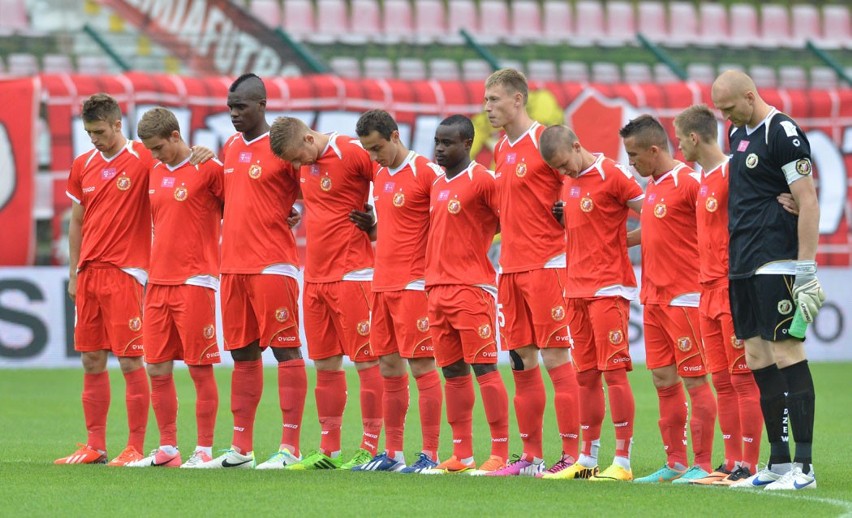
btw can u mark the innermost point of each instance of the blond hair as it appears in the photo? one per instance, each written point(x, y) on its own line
point(286, 134)
point(157, 122)
point(510, 79)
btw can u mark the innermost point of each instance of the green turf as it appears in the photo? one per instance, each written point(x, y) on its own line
point(41, 419)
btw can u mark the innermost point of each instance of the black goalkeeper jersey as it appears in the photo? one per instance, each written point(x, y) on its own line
point(761, 230)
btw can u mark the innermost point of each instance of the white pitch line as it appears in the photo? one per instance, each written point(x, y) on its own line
point(844, 504)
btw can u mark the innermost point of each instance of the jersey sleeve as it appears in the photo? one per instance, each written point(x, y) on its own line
point(74, 188)
point(488, 189)
point(216, 171)
point(628, 188)
point(790, 150)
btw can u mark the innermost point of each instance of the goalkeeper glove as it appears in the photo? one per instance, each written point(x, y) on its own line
point(807, 291)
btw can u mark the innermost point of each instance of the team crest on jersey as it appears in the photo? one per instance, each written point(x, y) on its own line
point(363, 327)
point(135, 324)
point(123, 183)
point(586, 204)
point(711, 204)
point(684, 343)
point(736, 343)
point(398, 199)
point(325, 183)
point(660, 210)
point(751, 160)
point(484, 330)
point(282, 314)
point(803, 167)
point(423, 324)
point(557, 313)
point(454, 206)
point(209, 332)
point(255, 171)
point(181, 193)
point(785, 307)
point(521, 169)
point(616, 336)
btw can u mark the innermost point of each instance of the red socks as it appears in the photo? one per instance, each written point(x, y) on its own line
point(592, 407)
point(246, 389)
point(96, 396)
point(673, 424)
point(702, 424)
point(729, 417)
point(429, 391)
point(496, 403)
point(137, 397)
point(622, 409)
point(751, 417)
point(372, 388)
point(330, 394)
point(395, 407)
point(460, 398)
point(292, 391)
point(206, 402)
point(529, 407)
point(165, 403)
point(567, 404)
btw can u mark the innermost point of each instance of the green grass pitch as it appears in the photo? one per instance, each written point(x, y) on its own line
point(41, 419)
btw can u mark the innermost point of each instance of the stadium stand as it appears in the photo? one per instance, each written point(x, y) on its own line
point(56, 64)
point(683, 24)
point(744, 28)
point(430, 20)
point(364, 22)
point(574, 71)
point(267, 11)
point(763, 76)
point(557, 22)
point(495, 22)
point(332, 21)
point(836, 29)
point(637, 73)
point(590, 23)
point(713, 25)
point(620, 24)
point(346, 67)
point(542, 70)
point(775, 27)
point(298, 19)
point(397, 23)
point(442, 69)
point(652, 21)
point(378, 68)
point(605, 73)
point(411, 69)
point(22, 64)
point(475, 69)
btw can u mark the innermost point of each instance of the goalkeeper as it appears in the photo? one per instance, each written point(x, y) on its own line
point(772, 269)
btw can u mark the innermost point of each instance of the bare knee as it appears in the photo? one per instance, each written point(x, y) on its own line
point(665, 376)
point(555, 357)
point(130, 364)
point(285, 354)
point(335, 363)
point(160, 369)
point(94, 362)
point(481, 369)
point(456, 370)
point(421, 366)
point(694, 382)
point(524, 358)
point(249, 353)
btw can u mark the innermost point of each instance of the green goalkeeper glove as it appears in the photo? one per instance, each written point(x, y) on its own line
point(807, 291)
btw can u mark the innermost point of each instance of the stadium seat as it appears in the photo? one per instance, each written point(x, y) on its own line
point(652, 21)
point(495, 21)
point(461, 14)
point(620, 23)
point(743, 19)
point(525, 21)
point(823, 78)
point(763, 76)
point(556, 23)
point(345, 67)
point(21, 64)
point(396, 21)
point(378, 68)
point(364, 22)
point(574, 72)
point(605, 73)
point(683, 24)
point(542, 70)
point(713, 27)
point(430, 20)
point(298, 19)
point(836, 30)
point(806, 25)
point(441, 69)
point(475, 70)
point(637, 73)
point(590, 27)
point(56, 64)
point(792, 76)
point(774, 27)
point(331, 21)
point(13, 16)
point(93, 64)
point(411, 69)
point(701, 72)
point(664, 75)
point(267, 11)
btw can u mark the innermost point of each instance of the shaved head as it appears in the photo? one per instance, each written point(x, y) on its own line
point(554, 138)
point(733, 82)
point(735, 95)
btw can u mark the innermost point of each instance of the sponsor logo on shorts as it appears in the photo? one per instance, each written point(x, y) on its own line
point(286, 338)
point(423, 324)
point(282, 314)
point(736, 343)
point(711, 204)
point(684, 343)
point(521, 169)
point(214, 354)
point(255, 171)
point(622, 359)
point(691, 368)
point(785, 306)
point(489, 354)
point(137, 347)
point(557, 313)
point(751, 160)
point(660, 210)
point(123, 183)
point(398, 199)
point(586, 204)
point(484, 330)
point(803, 167)
point(616, 336)
point(135, 324)
point(454, 206)
point(364, 329)
point(325, 183)
point(209, 331)
point(181, 193)
point(427, 348)
point(563, 338)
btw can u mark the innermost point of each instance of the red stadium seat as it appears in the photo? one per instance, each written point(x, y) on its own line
point(683, 24)
point(557, 26)
point(297, 19)
point(836, 31)
point(743, 19)
point(495, 21)
point(590, 23)
point(526, 21)
point(652, 21)
point(620, 23)
point(713, 27)
point(332, 21)
point(461, 14)
point(806, 24)
point(364, 22)
point(13, 16)
point(775, 27)
point(396, 21)
point(430, 20)
point(267, 11)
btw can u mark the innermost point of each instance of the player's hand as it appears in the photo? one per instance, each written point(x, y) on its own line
point(72, 286)
point(295, 217)
point(558, 210)
point(807, 291)
point(364, 220)
point(789, 203)
point(200, 154)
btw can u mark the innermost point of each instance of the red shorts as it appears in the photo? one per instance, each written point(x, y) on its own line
point(723, 349)
point(672, 338)
point(337, 320)
point(599, 330)
point(461, 319)
point(532, 305)
point(262, 307)
point(109, 311)
point(400, 324)
point(180, 324)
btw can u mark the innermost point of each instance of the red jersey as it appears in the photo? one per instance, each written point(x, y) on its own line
point(117, 219)
point(532, 238)
point(462, 222)
point(595, 215)
point(401, 198)
point(711, 211)
point(186, 208)
point(669, 240)
point(336, 184)
point(260, 189)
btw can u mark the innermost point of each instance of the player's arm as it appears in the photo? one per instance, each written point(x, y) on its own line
point(200, 154)
point(294, 218)
point(75, 239)
point(558, 211)
point(804, 194)
point(365, 220)
point(634, 237)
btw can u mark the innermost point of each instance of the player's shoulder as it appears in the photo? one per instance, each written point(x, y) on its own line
point(781, 127)
point(84, 159)
point(232, 140)
point(479, 171)
point(421, 163)
point(682, 174)
point(139, 151)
